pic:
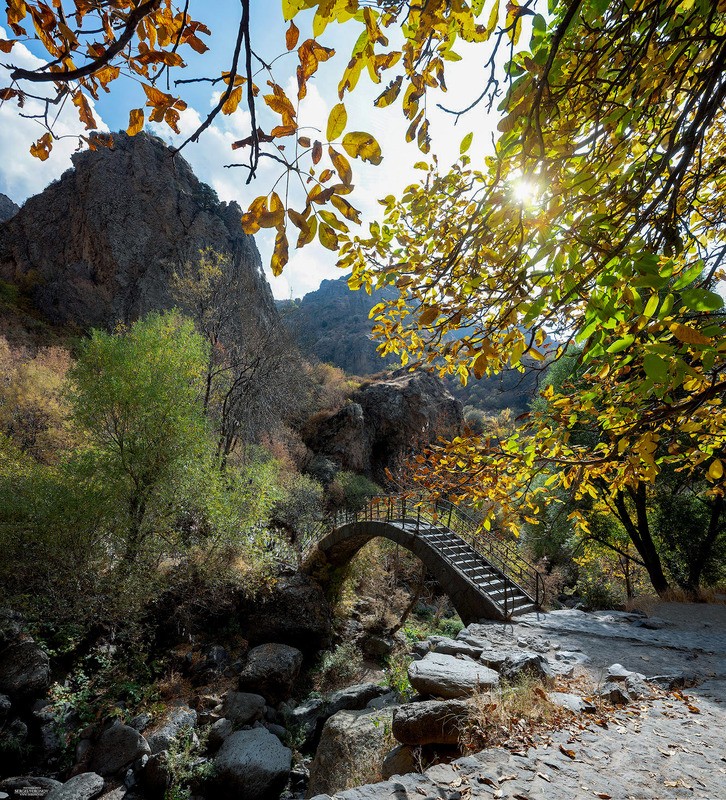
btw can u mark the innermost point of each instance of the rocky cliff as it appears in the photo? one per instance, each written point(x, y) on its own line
point(8, 209)
point(385, 422)
point(332, 324)
point(101, 244)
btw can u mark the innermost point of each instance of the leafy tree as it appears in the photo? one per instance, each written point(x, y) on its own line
point(137, 396)
point(253, 375)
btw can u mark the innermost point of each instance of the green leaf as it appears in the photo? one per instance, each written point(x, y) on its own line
point(656, 368)
point(701, 300)
point(466, 143)
point(621, 344)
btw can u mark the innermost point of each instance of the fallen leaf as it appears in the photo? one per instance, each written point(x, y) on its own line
point(569, 753)
point(603, 795)
point(507, 778)
point(693, 709)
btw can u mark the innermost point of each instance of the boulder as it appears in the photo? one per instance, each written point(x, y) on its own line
point(155, 778)
point(454, 647)
point(117, 747)
point(5, 706)
point(253, 765)
point(163, 733)
point(519, 664)
point(294, 612)
point(271, 670)
point(493, 658)
point(218, 732)
point(615, 692)
point(85, 786)
point(400, 761)
point(243, 708)
point(450, 676)
point(304, 719)
point(353, 698)
point(430, 722)
point(351, 750)
point(24, 669)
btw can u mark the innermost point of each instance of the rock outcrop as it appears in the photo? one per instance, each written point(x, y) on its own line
point(386, 421)
point(101, 244)
point(8, 209)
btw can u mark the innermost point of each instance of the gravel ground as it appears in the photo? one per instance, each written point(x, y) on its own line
point(670, 747)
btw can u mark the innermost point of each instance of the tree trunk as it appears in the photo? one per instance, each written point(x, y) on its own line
point(698, 564)
point(639, 532)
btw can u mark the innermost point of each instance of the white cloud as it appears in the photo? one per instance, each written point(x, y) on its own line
point(22, 175)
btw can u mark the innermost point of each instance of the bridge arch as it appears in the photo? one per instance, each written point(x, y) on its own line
point(339, 546)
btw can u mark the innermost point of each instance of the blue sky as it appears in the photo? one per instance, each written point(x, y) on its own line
point(22, 176)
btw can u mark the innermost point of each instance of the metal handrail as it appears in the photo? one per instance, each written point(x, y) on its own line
point(502, 557)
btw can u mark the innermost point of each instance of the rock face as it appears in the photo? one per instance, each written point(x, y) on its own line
point(351, 751)
point(332, 324)
point(295, 612)
point(101, 244)
point(385, 421)
point(8, 209)
point(253, 765)
point(243, 708)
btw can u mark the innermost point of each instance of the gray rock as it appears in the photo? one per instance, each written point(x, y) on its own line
point(517, 665)
point(454, 647)
point(243, 708)
point(271, 670)
point(141, 722)
point(399, 761)
point(637, 688)
point(119, 793)
point(116, 748)
point(571, 702)
point(351, 750)
point(276, 730)
point(163, 732)
point(353, 698)
point(419, 649)
point(615, 693)
point(617, 672)
point(450, 677)
point(155, 777)
point(377, 646)
point(385, 700)
point(81, 787)
point(24, 669)
point(304, 719)
point(430, 722)
point(50, 742)
point(218, 732)
point(494, 658)
point(253, 765)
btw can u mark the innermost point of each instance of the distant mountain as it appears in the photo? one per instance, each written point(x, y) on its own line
point(332, 325)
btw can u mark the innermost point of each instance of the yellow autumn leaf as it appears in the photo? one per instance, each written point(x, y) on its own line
point(688, 335)
point(336, 121)
point(359, 144)
point(715, 471)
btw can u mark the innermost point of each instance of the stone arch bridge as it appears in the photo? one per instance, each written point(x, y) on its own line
point(484, 576)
